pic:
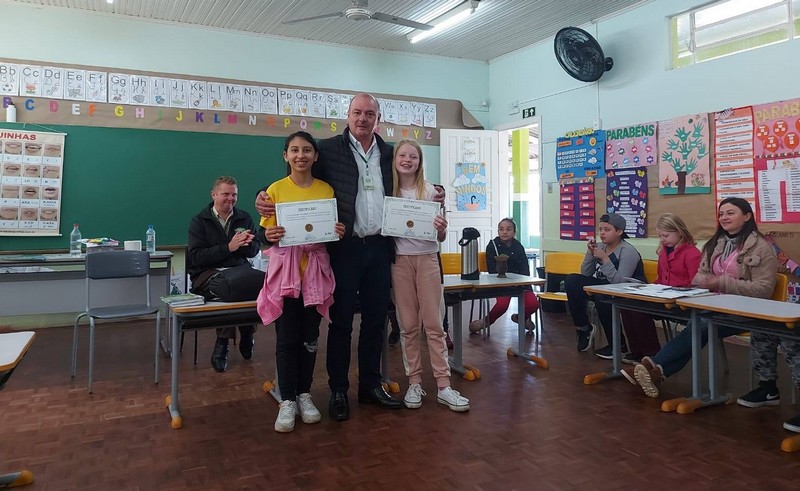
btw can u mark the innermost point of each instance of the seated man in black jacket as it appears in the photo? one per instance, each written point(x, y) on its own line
point(221, 237)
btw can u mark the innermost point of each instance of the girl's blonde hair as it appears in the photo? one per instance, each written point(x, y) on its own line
point(670, 222)
point(419, 181)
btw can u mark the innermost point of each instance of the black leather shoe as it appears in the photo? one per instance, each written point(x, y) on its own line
point(339, 407)
point(219, 359)
point(380, 397)
point(246, 344)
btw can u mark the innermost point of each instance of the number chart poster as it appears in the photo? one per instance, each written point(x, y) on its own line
point(777, 132)
point(581, 156)
point(627, 195)
point(684, 161)
point(632, 146)
point(576, 214)
point(30, 182)
point(470, 185)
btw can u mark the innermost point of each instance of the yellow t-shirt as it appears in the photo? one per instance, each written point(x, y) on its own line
point(286, 191)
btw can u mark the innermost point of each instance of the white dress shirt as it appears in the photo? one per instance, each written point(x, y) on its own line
point(369, 203)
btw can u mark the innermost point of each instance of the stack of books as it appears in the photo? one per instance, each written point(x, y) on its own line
point(183, 300)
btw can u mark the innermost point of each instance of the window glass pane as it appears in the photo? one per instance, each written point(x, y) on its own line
point(796, 8)
point(726, 10)
point(770, 18)
point(683, 34)
point(743, 44)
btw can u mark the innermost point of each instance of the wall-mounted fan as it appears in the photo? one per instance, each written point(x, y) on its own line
point(358, 11)
point(580, 55)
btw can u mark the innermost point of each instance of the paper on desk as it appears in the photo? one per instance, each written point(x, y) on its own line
point(664, 291)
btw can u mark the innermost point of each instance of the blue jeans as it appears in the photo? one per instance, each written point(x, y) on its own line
point(677, 353)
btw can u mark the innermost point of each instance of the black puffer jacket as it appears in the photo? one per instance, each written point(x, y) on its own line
point(337, 166)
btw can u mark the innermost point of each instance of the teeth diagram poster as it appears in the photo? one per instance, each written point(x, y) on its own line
point(30, 182)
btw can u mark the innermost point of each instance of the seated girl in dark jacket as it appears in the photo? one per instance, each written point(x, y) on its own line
point(505, 243)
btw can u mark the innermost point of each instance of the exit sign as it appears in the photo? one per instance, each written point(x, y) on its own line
point(528, 112)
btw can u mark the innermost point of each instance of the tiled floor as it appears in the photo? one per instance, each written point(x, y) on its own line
point(528, 428)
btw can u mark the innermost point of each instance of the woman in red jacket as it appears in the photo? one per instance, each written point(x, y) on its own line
point(678, 261)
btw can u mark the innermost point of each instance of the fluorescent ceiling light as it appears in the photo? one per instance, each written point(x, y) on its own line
point(443, 22)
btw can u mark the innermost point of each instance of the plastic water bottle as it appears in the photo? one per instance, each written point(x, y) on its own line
point(150, 244)
point(75, 241)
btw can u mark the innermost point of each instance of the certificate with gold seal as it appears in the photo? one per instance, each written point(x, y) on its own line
point(409, 218)
point(307, 222)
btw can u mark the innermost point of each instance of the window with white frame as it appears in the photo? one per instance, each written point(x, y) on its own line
point(731, 26)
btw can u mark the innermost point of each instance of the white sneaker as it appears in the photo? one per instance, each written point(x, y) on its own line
point(285, 421)
point(308, 411)
point(452, 399)
point(413, 398)
point(477, 325)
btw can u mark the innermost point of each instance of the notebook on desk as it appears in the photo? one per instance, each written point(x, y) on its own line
point(665, 291)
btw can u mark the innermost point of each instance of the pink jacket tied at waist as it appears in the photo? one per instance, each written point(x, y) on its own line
point(283, 279)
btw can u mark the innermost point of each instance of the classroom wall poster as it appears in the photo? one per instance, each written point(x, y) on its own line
point(626, 194)
point(30, 182)
point(632, 146)
point(470, 186)
point(777, 163)
point(576, 214)
point(777, 132)
point(581, 156)
point(778, 186)
point(69, 95)
point(683, 162)
point(733, 155)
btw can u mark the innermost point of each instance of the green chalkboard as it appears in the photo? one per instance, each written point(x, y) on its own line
point(117, 180)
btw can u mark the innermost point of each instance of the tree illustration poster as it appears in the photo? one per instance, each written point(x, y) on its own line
point(683, 159)
point(470, 185)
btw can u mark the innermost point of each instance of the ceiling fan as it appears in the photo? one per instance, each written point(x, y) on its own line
point(358, 11)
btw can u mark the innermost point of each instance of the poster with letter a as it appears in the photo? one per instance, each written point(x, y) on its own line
point(30, 182)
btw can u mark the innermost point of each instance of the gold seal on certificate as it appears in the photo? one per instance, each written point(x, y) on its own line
point(307, 222)
point(409, 218)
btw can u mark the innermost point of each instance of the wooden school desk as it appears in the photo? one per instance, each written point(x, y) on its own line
point(207, 316)
point(751, 314)
point(487, 286)
point(13, 347)
point(623, 296)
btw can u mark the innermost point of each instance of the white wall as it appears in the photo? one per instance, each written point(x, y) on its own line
point(69, 36)
point(639, 88)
